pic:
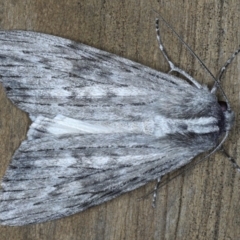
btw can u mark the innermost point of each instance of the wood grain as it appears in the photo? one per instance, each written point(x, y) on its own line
point(202, 203)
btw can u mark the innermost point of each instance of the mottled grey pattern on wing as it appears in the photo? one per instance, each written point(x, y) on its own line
point(53, 175)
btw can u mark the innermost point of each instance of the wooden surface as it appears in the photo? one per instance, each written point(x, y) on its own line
point(200, 204)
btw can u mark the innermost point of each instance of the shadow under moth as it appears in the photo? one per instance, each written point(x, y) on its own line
point(101, 126)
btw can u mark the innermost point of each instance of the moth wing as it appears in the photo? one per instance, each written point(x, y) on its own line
point(93, 135)
point(52, 176)
point(48, 75)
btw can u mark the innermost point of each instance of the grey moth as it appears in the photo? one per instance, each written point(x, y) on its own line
point(101, 126)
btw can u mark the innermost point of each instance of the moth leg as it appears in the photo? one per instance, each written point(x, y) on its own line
point(231, 159)
point(155, 192)
point(223, 69)
point(173, 68)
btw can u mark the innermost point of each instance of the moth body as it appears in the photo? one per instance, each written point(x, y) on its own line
point(101, 126)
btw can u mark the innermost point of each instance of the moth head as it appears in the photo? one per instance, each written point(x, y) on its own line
point(228, 115)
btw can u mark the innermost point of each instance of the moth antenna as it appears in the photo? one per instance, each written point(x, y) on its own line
point(187, 46)
point(217, 85)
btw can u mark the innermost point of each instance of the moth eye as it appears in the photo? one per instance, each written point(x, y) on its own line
point(223, 106)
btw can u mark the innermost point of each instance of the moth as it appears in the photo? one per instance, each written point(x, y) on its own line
point(101, 126)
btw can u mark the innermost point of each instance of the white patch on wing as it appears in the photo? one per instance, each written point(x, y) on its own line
point(61, 125)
